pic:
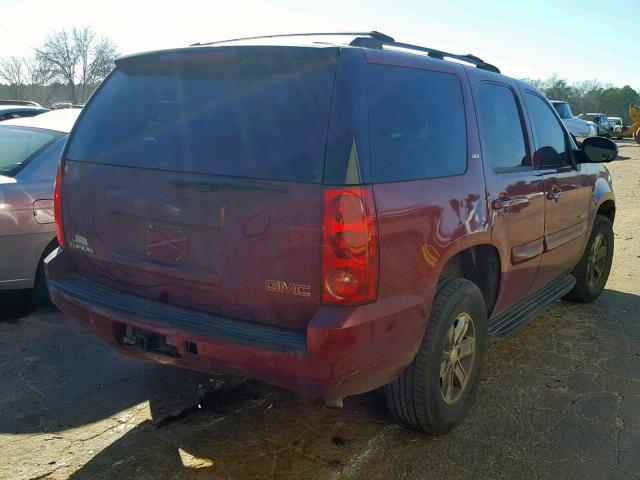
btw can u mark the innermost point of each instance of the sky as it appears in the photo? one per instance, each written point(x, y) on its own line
point(578, 40)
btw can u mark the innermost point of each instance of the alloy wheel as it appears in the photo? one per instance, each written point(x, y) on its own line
point(457, 358)
point(597, 260)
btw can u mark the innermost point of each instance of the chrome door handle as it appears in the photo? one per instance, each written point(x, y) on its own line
point(501, 203)
point(554, 193)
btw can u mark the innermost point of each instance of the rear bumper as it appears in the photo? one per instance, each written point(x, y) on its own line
point(344, 350)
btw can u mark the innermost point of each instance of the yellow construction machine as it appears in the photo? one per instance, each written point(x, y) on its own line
point(634, 129)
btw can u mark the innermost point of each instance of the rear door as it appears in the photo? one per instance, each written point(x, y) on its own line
point(514, 188)
point(195, 178)
point(567, 191)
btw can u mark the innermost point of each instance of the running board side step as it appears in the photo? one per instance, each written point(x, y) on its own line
point(523, 311)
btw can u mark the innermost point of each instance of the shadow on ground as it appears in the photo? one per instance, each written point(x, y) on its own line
point(559, 401)
point(57, 376)
point(16, 304)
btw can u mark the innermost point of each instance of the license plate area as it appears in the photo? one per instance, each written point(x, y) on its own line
point(167, 242)
point(150, 342)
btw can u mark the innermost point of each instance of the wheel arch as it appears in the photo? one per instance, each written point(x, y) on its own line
point(608, 209)
point(481, 264)
point(604, 200)
point(48, 249)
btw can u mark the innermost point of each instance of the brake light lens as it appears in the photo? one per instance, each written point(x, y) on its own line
point(57, 210)
point(350, 259)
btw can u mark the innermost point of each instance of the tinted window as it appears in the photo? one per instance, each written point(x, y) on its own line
point(416, 124)
point(18, 145)
point(551, 145)
point(260, 113)
point(501, 134)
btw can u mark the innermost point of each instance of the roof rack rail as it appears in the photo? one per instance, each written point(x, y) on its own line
point(374, 39)
point(372, 34)
point(370, 42)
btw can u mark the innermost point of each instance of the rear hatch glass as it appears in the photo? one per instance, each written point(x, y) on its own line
point(246, 112)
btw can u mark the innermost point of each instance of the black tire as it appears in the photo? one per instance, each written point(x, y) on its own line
point(416, 398)
point(40, 293)
point(585, 290)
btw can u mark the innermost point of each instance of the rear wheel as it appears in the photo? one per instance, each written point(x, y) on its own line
point(593, 269)
point(435, 392)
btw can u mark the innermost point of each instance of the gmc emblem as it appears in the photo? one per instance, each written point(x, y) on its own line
point(287, 288)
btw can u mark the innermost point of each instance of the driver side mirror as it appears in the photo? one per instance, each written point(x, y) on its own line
point(598, 150)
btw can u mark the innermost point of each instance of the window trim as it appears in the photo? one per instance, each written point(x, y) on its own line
point(571, 165)
point(525, 136)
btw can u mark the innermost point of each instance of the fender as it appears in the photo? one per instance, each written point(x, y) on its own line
point(602, 192)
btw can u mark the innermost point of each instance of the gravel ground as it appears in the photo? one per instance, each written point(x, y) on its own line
point(561, 400)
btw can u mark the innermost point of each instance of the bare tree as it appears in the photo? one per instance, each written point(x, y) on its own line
point(59, 55)
point(96, 59)
point(37, 74)
point(13, 72)
point(78, 58)
point(590, 95)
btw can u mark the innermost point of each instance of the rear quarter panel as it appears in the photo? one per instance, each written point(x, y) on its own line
point(19, 270)
point(22, 240)
point(424, 223)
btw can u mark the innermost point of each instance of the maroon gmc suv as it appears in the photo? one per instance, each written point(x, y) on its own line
point(331, 218)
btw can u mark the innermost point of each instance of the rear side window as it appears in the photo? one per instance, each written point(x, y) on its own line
point(551, 143)
point(417, 125)
point(501, 134)
point(258, 112)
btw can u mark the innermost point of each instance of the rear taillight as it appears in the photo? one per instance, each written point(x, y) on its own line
point(350, 246)
point(57, 210)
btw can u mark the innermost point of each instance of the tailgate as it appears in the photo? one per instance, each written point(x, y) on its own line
point(247, 249)
point(195, 178)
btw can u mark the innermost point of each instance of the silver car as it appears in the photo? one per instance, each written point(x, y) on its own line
point(617, 127)
point(578, 127)
point(30, 149)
